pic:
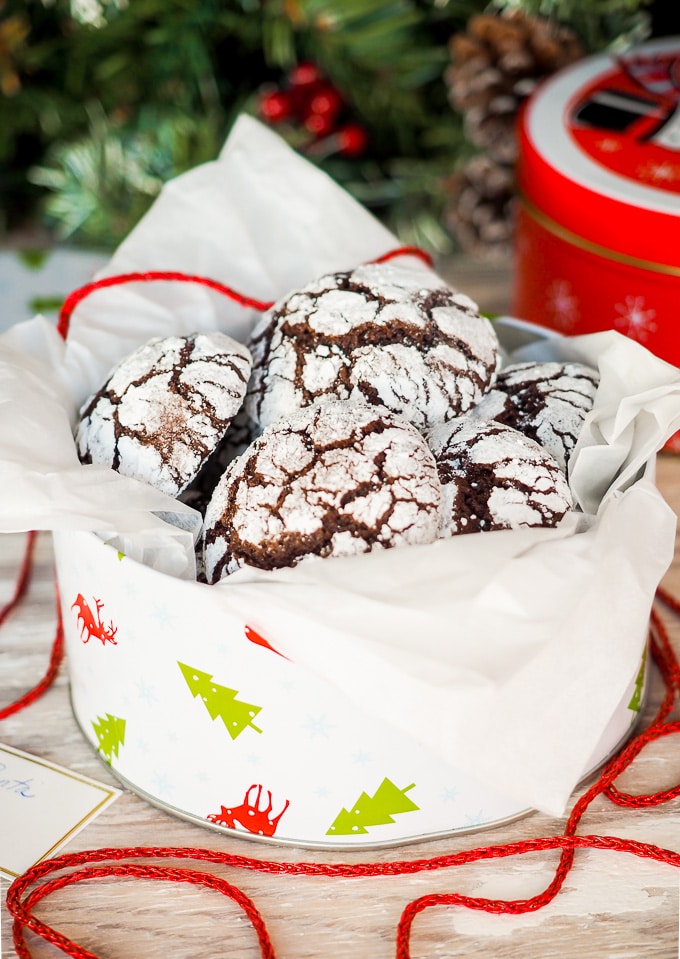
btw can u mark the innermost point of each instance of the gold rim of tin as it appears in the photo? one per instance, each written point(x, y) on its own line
point(574, 239)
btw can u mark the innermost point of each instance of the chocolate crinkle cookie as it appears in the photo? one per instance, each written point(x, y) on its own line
point(546, 401)
point(165, 408)
point(381, 334)
point(235, 441)
point(494, 477)
point(331, 480)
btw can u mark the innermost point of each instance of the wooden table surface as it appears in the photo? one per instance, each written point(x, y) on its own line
point(612, 904)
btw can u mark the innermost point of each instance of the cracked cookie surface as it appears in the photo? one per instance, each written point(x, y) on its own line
point(381, 334)
point(164, 408)
point(494, 477)
point(330, 480)
point(546, 401)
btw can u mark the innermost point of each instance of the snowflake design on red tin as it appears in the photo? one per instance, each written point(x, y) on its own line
point(608, 145)
point(659, 173)
point(634, 320)
point(563, 305)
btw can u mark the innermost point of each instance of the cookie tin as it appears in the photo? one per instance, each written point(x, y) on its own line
point(231, 735)
point(199, 715)
point(599, 199)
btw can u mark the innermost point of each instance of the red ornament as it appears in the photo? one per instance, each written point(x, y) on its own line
point(352, 140)
point(275, 106)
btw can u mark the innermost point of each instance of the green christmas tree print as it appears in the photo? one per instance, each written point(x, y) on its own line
point(375, 810)
point(220, 701)
point(110, 731)
point(636, 699)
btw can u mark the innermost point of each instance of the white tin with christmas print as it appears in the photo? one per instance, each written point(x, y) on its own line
point(199, 713)
point(192, 711)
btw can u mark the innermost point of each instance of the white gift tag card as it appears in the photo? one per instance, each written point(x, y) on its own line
point(42, 806)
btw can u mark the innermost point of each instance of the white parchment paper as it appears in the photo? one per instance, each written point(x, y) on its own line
point(505, 652)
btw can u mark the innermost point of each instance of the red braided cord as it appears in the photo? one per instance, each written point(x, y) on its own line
point(668, 664)
point(57, 651)
point(130, 870)
point(23, 578)
point(77, 296)
point(56, 657)
point(20, 901)
point(668, 600)
point(405, 251)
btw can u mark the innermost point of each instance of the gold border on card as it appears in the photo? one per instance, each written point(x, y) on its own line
point(110, 792)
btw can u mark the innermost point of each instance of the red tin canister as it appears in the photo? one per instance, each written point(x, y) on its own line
point(598, 231)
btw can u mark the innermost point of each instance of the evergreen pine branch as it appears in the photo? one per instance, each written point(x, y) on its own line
point(168, 77)
point(599, 23)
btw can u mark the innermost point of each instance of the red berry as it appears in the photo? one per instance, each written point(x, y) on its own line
point(304, 74)
point(319, 124)
point(352, 140)
point(326, 102)
point(275, 106)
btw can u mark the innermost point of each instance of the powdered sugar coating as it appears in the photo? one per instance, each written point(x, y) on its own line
point(330, 480)
point(382, 334)
point(494, 477)
point(238, 437)
point(546, 401)
point(165, 408)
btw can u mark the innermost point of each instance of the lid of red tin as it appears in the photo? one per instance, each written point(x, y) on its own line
point(600, 155)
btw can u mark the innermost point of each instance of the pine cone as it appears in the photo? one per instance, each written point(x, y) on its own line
point(495, 64)
point(479, 211)
point(13, 33)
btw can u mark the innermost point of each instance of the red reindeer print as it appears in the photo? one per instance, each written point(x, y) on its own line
point(249, 814)
point(92, 625)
